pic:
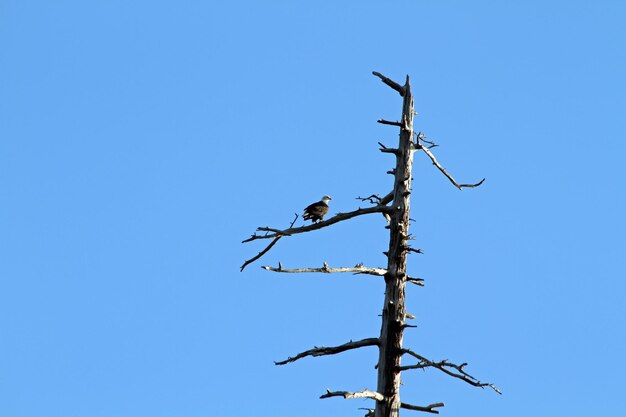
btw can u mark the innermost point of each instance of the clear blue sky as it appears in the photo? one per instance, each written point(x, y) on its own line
point(141, 141)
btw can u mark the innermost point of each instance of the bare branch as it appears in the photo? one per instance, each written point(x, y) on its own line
point(272, 233)
point(381, 208)
point(385, 149)
point(350, 395)
point(416, 281)
point(357, 269)
point(413, 250)
point(400, 89)
point(444, 172)
point(321, 351)
point(263, 252)
point(269, 229)
point(427, 409)
point(388, 122)
point(390, 150)
point(445, 367)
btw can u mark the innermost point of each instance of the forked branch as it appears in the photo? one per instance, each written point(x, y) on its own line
point(456, 371)
point(268, 247)
point(332, 350)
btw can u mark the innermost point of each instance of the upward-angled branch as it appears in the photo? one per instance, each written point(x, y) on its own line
point(391, 83)
point(379, 208)
point(273, 233)
point(323, 350)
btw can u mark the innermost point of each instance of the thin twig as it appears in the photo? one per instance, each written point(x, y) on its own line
point(422, 137)
point(263, 252)
point(374, 199)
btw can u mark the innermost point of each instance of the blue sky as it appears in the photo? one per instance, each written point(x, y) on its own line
point(141, 141)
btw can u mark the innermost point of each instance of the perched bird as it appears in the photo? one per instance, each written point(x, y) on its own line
point(316, 211)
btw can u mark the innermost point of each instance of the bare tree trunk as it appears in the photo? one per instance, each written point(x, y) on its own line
point(395, 206)
point(394, 309)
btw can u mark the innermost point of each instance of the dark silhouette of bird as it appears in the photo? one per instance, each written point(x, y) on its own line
point(316, 211)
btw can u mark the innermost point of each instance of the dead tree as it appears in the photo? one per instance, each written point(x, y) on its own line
point(395, 206)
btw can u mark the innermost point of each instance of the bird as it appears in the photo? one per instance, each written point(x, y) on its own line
point(316, 211)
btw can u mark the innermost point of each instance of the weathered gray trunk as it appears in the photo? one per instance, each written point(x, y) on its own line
point(394, 310)
point(396, 207)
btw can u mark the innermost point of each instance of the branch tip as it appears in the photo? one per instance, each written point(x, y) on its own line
point(400, 89)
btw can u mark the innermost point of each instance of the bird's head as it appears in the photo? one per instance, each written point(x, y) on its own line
point(326, 199)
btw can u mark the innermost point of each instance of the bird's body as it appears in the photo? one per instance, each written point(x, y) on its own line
point(316, 211)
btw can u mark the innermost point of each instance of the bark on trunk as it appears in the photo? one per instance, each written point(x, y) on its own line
point(394, 310)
